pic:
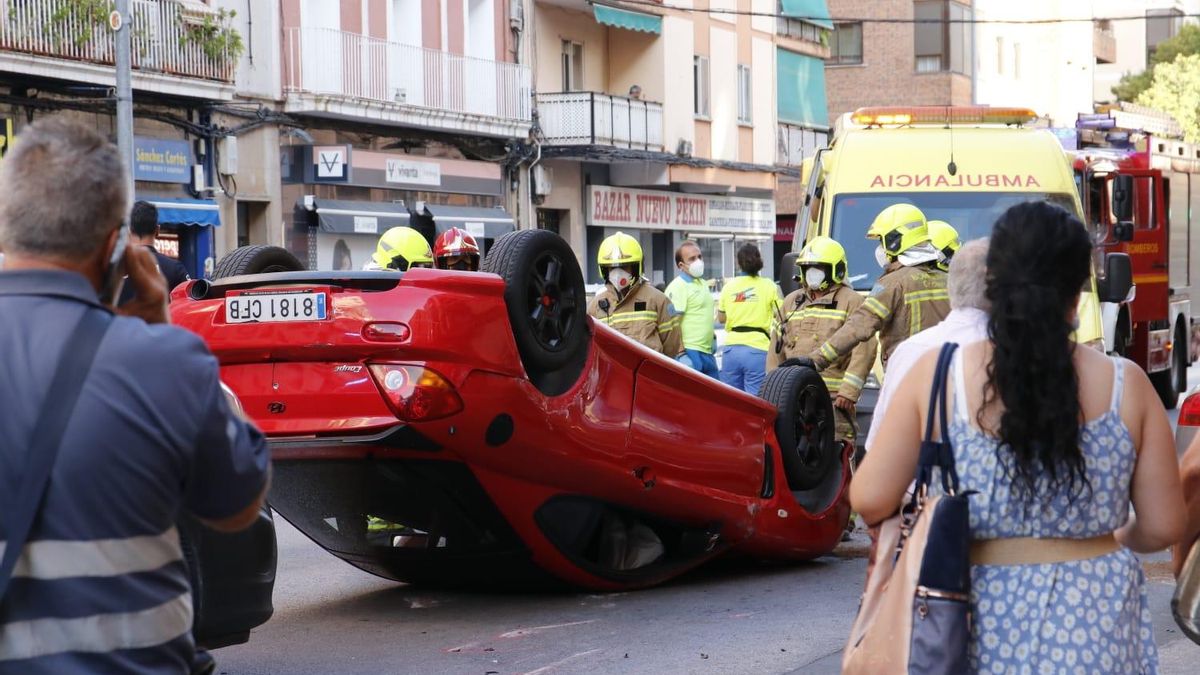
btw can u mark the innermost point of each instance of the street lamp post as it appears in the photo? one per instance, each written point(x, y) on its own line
point(119, 21)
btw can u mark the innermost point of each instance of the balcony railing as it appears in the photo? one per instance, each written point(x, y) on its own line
point(159, 34)
point(795, 143)
point(591, 118)
point(336, 63)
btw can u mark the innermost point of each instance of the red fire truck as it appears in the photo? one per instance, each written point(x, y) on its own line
point(1137, 182)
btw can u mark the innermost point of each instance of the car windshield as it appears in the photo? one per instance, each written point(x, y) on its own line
point(971, 213)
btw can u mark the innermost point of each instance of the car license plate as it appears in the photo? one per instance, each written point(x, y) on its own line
point(276, 306)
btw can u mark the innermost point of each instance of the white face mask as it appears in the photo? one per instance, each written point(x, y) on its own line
point(814, 277)
point(881, 256)
point(696, 269)
point(620, 279)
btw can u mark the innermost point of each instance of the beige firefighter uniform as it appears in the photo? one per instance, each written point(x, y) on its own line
point(807, 324)
point(904, 302)
point(645, 315)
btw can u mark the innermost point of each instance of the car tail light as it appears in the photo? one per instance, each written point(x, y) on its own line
point(416, 393)
point(386, 331)
point(1189, 412)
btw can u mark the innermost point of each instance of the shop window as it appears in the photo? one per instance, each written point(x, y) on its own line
point(846, 44)
point(745, 102)
point(942, 37)
point(700, 83)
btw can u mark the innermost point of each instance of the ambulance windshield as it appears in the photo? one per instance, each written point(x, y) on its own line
point(971, 213)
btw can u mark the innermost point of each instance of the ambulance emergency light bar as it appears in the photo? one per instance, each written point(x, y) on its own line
point(973, 114)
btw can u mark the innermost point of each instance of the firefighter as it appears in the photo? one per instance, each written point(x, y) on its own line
point(400, 248)
point(909, 296)
point(944, 238)
point(812, 314)
point(628, 303)
point(456, 249)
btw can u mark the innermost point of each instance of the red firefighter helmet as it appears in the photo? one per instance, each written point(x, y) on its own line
point(454, 243)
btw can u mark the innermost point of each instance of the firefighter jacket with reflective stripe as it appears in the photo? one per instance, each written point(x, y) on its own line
point(904, 302)
point(808, 323)
point(644, 315)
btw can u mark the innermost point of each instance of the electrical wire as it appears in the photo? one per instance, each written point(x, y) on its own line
point(840, 19)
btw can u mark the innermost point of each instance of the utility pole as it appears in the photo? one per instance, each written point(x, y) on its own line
point(119, 20)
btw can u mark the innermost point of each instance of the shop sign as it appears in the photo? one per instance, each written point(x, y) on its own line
point(413, 173)
point(162, 161)
point(653, 209)
point(167, 243)
point(331, 162)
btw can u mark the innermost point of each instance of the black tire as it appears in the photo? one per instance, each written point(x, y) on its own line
point(256, 259)
point(804, 426)
point(545, 298)
point(1181, 355)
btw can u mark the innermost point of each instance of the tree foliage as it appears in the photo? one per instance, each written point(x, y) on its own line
point(1185, 43)
point(1176, 91)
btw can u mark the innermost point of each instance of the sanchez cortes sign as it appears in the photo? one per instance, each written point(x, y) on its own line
point(652, 209)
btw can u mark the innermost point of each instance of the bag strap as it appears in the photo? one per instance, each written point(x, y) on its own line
point(939, 453)
point(73, 367)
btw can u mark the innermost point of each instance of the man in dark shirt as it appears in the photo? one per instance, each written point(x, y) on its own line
point(101, 584)
point(143, 230)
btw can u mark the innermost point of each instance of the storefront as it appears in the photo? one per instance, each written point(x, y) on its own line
point(162, 171)
point(344, 198)
point(662, 220)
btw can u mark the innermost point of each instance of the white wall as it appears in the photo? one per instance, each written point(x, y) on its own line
point(723, 100)
point(679, 45)
point(764, 23)
point(404, 22)
point(763, 110)
point(260, 68)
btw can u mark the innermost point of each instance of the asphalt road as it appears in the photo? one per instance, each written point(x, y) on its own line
point(727, 618)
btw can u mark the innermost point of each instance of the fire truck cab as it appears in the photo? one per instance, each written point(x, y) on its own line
point(1137, 182)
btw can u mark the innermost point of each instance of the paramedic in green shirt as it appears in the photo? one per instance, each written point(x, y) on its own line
point(689, 293)
point(748, 307)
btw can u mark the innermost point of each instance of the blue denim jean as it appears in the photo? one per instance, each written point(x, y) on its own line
point(701, 361)
point(744, 367)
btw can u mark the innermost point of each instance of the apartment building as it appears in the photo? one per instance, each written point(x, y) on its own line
point(658, 122)
point(1133, 42)
point(57, 58)
point(412, 112)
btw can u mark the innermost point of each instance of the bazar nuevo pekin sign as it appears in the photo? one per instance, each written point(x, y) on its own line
point(652, 209)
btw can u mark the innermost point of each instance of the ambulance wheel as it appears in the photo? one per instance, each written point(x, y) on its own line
point(804, 426)
point(256, 259)
point(544, 294)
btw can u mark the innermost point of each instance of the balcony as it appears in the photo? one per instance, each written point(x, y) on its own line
point(591, 118)
point(333, 73)
point(56, 39)
point(795, 143)
point(1104, 43)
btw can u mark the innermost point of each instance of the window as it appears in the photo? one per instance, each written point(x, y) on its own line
point(999, 56)
point(1161, 24)
point(700, 82)
point(846, 44)
point(942, 37)
point(745, 102)
point(1017, 60)
point(572, 66)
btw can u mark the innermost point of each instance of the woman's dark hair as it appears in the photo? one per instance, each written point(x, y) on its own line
point(749, 259)
point(1037, 263)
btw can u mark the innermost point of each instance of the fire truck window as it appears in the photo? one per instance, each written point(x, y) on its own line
point(1143, 207)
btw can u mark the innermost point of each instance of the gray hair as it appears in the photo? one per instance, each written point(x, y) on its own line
point(967, 284)
point(64, 190)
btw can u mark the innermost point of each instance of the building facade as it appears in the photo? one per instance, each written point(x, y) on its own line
point(1134, 41)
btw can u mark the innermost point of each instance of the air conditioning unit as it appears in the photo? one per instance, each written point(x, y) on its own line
point(684, 148)
point(542, 180)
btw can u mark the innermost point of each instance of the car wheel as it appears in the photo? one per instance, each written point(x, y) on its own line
point(545, 298)
point(257, 259)
point(1180, 354)
point(1164, 384)
point(804, 426)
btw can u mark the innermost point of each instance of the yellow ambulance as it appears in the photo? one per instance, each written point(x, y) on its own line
point(964, 165)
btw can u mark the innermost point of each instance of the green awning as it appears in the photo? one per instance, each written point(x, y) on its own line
point(800, 89)
point(815, 12)
point(623, 18)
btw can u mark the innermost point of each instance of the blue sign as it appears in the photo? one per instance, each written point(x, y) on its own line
point(162, 161)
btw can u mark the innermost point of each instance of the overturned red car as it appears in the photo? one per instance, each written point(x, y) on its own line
point(459, 428)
